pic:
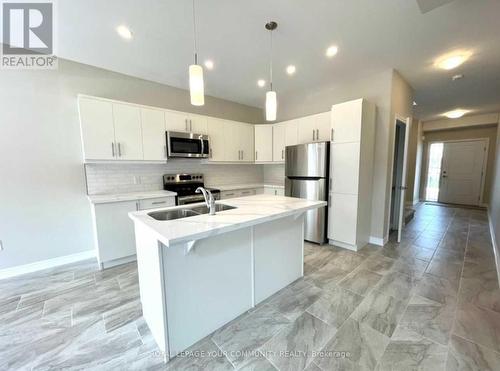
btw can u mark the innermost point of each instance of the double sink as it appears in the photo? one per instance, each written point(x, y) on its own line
point(187, 212)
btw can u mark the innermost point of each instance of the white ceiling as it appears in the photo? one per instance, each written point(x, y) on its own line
point(372, 36)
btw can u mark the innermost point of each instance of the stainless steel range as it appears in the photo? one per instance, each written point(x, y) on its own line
point(185, 186)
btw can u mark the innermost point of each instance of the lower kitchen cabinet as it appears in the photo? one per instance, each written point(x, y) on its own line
point(114, 230)
point(275, 191)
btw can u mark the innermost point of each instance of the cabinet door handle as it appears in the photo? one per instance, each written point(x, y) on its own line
point(317, 134)
point(256, 155)
point(158, 202)
point(137, 205)
point(282, 154)
point(165, 151)
point(210, 151)
point(119, 150)
point(190, 125)
point(242, 154)
point(113, 149)
point(275, 192)
point(332, 134)
point(313, 135)
point(186, 124)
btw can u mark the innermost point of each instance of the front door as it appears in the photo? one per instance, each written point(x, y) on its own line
point(462, 172)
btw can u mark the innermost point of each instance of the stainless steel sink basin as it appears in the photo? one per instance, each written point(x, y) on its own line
point(187, 212)
point(218, 207)
point(172, 214)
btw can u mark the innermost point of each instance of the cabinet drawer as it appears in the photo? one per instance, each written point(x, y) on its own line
point(154, 203)
point(228, 194)
point(247, 192)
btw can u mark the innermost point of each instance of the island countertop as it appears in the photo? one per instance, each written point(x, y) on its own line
point(249, 211)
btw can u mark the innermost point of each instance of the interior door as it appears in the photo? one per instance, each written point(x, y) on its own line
point(462, 172)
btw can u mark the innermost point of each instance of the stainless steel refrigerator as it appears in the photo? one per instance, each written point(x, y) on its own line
point(306, 176)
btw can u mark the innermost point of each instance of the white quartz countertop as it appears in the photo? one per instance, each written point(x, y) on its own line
point(230, 187)
point(116, 197)
point(249, 211)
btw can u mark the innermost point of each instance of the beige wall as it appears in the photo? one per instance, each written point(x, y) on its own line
point(489, 132)
point(414, 161)
point(494, 205)
point(392, 95)
point(44, 211)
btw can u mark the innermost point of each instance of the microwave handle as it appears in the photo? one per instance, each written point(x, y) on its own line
point(202, 146)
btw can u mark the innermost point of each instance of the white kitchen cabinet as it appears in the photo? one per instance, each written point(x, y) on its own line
point(291, 133)
point(238, 141)
point(343, 217)
point(154, 203)
point(177, 121)
point(198, 124)
point(114, 232)
point(323, 126)
point(307, 129)
point(346, 119)
point(217, 139)
point(264, 143)
point(351, 174)
point(128, 136)
point(98, 133)
point(247, 142)
point(279, 136)
point(344, 167)
point(153, 134)
point(232, 150)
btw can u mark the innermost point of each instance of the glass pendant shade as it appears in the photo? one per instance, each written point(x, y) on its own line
point(271, 105)
point(196, 86)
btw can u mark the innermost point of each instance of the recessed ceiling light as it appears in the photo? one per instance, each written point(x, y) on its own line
point(332, 51)
point(451, 61)
point(291, 69)
point(455, 114)
point(261, 83)
point(124, 32)
point(209, 64)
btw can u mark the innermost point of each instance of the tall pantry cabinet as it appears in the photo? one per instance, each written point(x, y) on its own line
point(351, 173)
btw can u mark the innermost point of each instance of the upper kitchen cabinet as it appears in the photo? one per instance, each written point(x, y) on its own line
point(291, 133)
point(279, 137)
point(323, 126)
point(98, 133)
point(176, 121)
point(217, 139)
point(198, 124)
point(314, 128)
point(153, 134)
point(128, 135)
point(184, 122)
point(346, 119)
point(264, 143)
point(306, 130)
point(238, 142)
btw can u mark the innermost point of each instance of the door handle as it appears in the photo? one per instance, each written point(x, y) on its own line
point(113, 149)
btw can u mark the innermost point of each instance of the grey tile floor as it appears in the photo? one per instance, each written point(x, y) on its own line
point(431, 302)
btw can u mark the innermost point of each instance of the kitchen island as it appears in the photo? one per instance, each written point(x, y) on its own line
point(198, 271)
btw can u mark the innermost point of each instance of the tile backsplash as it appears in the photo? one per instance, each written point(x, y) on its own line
point(274, 174)
point(118, 178)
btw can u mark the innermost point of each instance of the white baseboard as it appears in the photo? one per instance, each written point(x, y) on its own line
point(45, 264)
point(343, 245)
point(114, 263)
point(495, 247)
point(378, 241)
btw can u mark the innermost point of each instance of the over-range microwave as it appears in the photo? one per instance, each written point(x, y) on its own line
point(188, 145)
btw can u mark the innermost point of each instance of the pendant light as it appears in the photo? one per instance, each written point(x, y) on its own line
point(196, 85)
point(271, 100)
